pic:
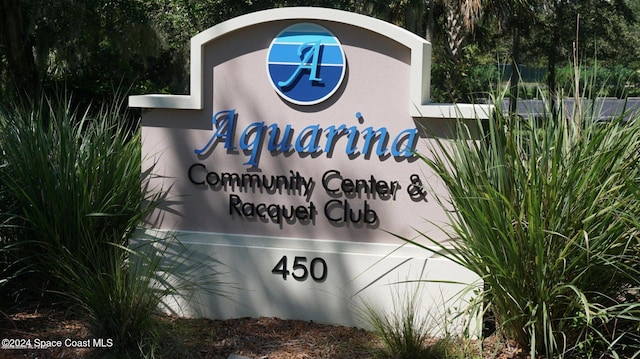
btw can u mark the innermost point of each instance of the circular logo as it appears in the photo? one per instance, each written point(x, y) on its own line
point(306, 64)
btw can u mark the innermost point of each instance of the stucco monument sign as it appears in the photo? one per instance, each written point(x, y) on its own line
point(292, 161)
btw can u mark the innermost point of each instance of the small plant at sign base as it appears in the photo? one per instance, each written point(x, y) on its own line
point(406, 331)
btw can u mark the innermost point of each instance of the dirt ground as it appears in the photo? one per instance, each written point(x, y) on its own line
point(256, 338)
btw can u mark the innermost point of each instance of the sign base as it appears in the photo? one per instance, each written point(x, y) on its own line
point(324, 281)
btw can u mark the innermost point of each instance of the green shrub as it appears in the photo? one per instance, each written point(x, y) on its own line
point(547, 214)
point(74, 194)
point(617, 81)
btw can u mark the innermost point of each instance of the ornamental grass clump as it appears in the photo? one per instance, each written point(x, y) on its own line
point(546, 212)
point(403, 331)
point(73, 195)
point(407, 332)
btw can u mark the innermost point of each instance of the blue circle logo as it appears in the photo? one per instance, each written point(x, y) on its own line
point(306, 64)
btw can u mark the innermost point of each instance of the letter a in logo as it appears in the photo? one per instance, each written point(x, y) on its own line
point(313, 54)
point(306, 64)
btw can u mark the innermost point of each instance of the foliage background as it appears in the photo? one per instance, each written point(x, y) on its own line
point(96, 46)
point(93, 46)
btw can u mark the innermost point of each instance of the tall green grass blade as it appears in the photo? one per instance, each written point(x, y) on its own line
point(72, 194)
point(546, 214)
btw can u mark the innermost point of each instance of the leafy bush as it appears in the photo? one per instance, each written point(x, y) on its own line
point(547, 214)
point(617, 81)
point(468, 79)
point(74, 194)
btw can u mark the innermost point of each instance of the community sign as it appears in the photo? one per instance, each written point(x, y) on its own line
point(294, 163)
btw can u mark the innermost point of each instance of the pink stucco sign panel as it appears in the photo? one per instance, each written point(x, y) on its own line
point(260, 159)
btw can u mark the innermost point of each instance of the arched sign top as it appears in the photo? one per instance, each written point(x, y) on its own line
point(420, 68)
point(420, 52)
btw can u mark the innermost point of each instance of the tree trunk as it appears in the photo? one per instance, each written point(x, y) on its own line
point(553, 56)
point(18, 46)
point(552, 60)
point(514, 81)
point(430, 22)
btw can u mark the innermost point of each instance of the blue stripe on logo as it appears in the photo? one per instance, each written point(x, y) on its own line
point(303, 89)
point(288, 54)
point(301, 38)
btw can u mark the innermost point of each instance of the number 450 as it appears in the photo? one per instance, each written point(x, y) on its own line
point(299, 271)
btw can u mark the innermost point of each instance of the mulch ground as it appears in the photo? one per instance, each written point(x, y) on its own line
point(256, 338)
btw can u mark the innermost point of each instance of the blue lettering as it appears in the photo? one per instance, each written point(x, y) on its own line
point(255, 131)
point(407, 136)
point(308, 141)
point(371, 135)
point(333, 134)
point(285, 143)
point(224, 123)
point(310, 135)
point(351, 148)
